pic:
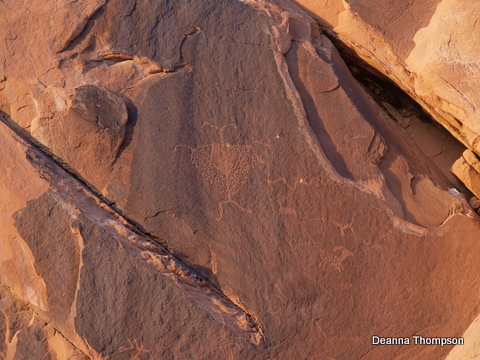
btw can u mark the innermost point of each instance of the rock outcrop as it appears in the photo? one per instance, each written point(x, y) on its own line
point(424, 47)
point(206, 179)
point(467, 168)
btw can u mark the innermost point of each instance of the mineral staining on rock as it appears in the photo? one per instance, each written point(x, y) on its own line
point(214, 183)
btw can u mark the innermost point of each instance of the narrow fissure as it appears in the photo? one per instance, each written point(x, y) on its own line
point(145, 246)
point(436, 142)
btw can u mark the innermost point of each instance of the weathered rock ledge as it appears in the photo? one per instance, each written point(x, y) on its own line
point(425, 48)
point(206, 179)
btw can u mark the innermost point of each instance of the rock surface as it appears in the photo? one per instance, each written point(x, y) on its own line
point(88, 134)
point(425, 47)
point(467, 169)
point(206, 179)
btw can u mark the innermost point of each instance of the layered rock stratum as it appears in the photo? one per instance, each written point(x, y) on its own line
point(210, 180)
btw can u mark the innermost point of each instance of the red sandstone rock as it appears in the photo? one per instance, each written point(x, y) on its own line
point(474, 203)
point(467, 169)
point(250, 199)
point(426, 47)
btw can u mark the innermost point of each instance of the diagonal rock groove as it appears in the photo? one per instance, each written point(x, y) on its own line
point(139, 245)
point(28, 138)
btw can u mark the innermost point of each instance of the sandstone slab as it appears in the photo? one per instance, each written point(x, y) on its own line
point(242, 196)
point(467, 169)
point(425, 47)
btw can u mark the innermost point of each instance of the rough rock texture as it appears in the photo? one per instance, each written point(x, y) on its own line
point(206, 179)
point(467, 169)
point(425, 47)
point(88, 134)
point(95, 282)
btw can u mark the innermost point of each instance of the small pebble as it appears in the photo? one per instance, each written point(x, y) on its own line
point(406, 122)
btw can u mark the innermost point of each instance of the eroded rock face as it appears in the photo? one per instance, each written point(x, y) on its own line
point(88, 134)
point(425, 47)
point(25, 335)
point(467, 168)
point(262, 205)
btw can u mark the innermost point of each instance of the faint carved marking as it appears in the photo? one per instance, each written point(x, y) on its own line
point(345, 286)
point(380, 249)
point(334, 258)
point(213, 261)
point(134, 345)
point(342, 227)
point(376, 244)
point(285, 210)
point(224, 166)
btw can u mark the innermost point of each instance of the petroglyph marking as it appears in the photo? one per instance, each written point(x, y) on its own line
point(342, 227)
point(334, 260)
point(136, 346)
point(224, 166)
point(284, 210)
